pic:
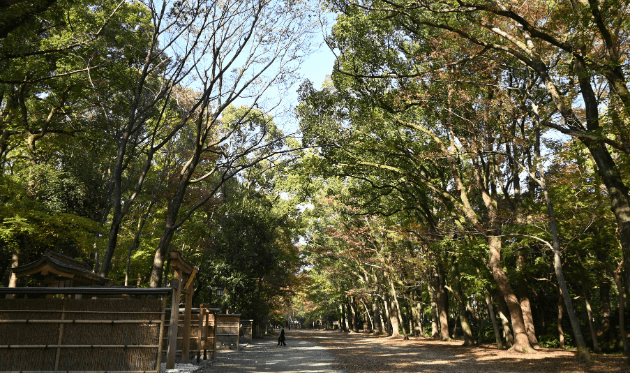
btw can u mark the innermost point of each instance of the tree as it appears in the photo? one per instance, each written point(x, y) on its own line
point(559, 43)
point(228, 52)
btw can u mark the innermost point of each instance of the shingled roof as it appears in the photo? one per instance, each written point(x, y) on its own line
point(62, 266)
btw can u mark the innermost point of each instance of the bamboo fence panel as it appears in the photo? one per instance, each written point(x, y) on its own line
point(194, 327)
point(79, 334)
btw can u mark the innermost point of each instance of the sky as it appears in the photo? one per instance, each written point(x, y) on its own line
point(317, 67)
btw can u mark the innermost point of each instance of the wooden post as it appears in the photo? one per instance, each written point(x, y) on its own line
point(161, 335)
point(200, 332)
point(187, 317)
point(176, 283)
point(204, 335)
point(214, 340)
point(238, 333)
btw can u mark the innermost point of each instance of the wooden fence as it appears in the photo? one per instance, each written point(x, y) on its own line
point(246, 331)
point(228, 326)
point(114, 334)
point(202, 332)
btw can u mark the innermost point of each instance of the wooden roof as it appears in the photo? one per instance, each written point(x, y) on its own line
point(178, 263)
point(52, 263)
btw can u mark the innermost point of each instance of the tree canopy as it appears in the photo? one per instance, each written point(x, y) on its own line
point(462, 173)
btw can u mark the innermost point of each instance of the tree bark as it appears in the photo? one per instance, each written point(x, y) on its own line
point(622, 322)
point(503, 315)
point(442, 305)
point(383, 321)
point(589, 314)
point(368, 323)
point(346, 325)
point(560, 312)
point(607, 168)
point(604, 305)
point(393, 319)
point(353, 316)
point(341, 322)
point(461, 301)
point(378, 319)
point(15, 261)
point(583, 353)
point(396, 308)
point(434, 314)
point(495, 326)
point(521, 341)
point(416, 312)
point(525, 304)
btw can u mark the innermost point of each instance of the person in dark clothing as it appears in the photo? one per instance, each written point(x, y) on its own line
point(281, 338)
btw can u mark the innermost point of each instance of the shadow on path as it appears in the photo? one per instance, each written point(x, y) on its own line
point(357, 352)
point(263, 356)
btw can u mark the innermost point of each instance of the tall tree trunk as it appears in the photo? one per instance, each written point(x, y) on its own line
point(503, 315)
point(521, 341)
point(434, 313)
point(555, 247)
point(461, 301)
point(607, 168)
point(493, 319)
point(489, 197)
point(604, 306)
point(442, 305)
point(589, 313)
point(368, 326)
point(396, 307)
point(341, 319)
point(393, 319)
point(353, 316)
point(416, 311)
point(378, 319)
point(15, 261)
point(383, 320)
point(525, 304)
point(346, 325)
point(622, 322)
point(560, 312)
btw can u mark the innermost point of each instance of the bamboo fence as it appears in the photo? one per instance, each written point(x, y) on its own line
point(202, 333)
point(81, 334)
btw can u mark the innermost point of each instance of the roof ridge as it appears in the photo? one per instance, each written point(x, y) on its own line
point(66, 258)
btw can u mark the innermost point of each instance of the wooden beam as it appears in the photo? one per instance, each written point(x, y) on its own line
point(187, 314)
point(176, 283)
point(158, 364)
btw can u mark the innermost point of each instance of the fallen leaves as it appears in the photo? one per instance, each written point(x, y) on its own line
point(357, 352)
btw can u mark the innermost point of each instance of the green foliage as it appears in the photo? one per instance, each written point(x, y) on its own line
point(30, 228)
point(249, 251)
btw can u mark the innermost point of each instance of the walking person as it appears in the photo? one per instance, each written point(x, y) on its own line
point(281, 338)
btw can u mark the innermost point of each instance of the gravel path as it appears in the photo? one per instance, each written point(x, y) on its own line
point(332, 352)
point(263, 356)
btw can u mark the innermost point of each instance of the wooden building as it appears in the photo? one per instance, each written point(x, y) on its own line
point(60, 271)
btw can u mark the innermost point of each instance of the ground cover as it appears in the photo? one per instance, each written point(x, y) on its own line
point(358, 352)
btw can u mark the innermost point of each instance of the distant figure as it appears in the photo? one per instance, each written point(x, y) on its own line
point(281, 338)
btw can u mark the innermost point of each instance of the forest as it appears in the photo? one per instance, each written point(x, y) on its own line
point(462, 173)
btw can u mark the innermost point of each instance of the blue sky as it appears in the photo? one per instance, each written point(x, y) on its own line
point(317, 66)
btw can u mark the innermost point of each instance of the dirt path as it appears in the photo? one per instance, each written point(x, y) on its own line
point(365, 353)
point(303, 356)
point(331, 352)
